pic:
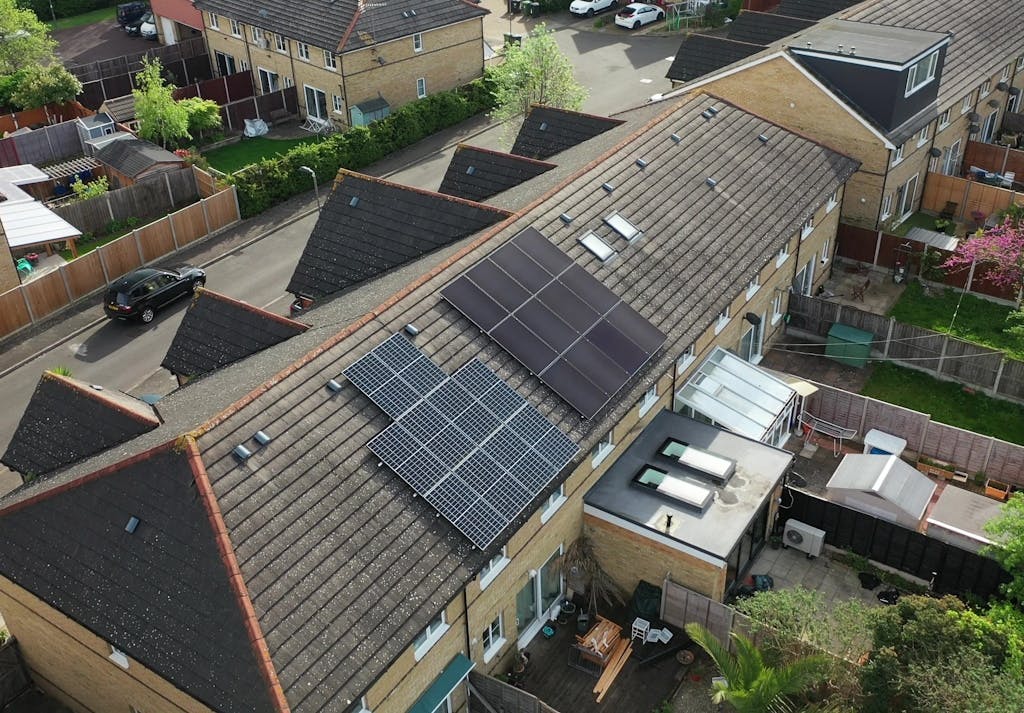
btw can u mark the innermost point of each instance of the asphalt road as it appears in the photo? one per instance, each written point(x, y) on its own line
point(621, 69)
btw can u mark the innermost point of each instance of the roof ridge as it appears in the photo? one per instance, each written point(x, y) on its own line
point(98, 395)
point(422, 191)
point(235, 579)
point(577, 113)
point(213, 294)
point(504, 154)
point(351, 26)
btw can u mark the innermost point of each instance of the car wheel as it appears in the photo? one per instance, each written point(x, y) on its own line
point(661, 16)
point(197, 285)
point(590, 12)
point(636, 25)
point(147, 315)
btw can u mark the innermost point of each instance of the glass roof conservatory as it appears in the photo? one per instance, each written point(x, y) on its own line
point(735, 394)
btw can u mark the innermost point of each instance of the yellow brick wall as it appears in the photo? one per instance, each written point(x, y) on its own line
point(71, 664)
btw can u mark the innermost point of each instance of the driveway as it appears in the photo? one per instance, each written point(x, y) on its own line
point(102, 40)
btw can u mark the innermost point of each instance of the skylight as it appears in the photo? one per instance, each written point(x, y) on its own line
point(597, 246)
point(685, 491)
point(623, 227)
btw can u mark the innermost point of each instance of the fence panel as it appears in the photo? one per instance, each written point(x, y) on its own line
point(222, 209)
point(84, 274)
point(90, 216)
point(120, 256)
point(997, 159)
point(856, 243)
point(1011, 381)
point(14, 678)
point(501, 696)
point(965, 449)
point(205, 183)
point(156, 239)
point(46, 294)
point(189, 224)
point(1006, 462)
point(971, 363)
point(13, 312)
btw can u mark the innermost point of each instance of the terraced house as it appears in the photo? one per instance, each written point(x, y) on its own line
point(351, 62)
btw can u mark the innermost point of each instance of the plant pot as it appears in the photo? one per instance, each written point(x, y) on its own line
point(997, 489)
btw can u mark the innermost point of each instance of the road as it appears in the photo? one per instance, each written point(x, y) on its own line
point(621, 70)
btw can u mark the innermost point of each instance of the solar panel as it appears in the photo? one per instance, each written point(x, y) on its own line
point(557, 319)
point(469, 444)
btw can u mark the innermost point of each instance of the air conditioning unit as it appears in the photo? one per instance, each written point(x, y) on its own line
point(803, 537)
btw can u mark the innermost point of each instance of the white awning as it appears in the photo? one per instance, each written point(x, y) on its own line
point(32, 223)
point(22, 174)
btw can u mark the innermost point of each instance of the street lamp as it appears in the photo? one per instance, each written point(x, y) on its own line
point(316, 188)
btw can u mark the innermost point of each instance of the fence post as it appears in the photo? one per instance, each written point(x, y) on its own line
point(103, 265)
point(138, 246)
point(988, 454)
point(924, 435)
point(238, 210)
point(999, 375)
point(110, 208)
point(170, 193)
point(888, 338)
point(206, 214)
point(64, 279)
point(174, 233)
point(28, 304)
point(942, 354)
point(863, 416)
point(878, 248)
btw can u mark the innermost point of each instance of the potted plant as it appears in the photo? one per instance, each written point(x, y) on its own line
point(579, 565)
point(938, 468)
point(997, 489)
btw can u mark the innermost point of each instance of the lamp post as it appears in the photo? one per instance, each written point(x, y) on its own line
point(316, 188)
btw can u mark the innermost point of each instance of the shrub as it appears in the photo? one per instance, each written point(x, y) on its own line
point(274, 180)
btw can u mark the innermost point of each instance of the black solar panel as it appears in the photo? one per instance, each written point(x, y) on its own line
point(557, 319)
point(469, 444)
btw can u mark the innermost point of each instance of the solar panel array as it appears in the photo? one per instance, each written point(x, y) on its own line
point(557, 319)
point(469, 444)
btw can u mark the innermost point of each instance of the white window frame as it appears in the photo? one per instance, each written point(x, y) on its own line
point(753, 286)
point(832, 201)
point(777, 306)
point(966, 103)
point(430, 636)
point(922, 73)
point(421, 87)
point(118, 657)
point(724, 317)
point(555, 501)
point(686, 358)
point(280, 43)
point(985, 89)
point(1006, 73)
point(244, 64)
point(944, 119)
point(782, 255)
point(602, 449)
point(302, 49)
point(897, 153)
point(288, 81)
point(807, 228)
point(824, 250)
point(904, 214)
point(493, 568)
point(256, 34)
point(236, 28)
point(214, 21)
point(648, 400)
point(886, 206)
point(417, 42)
point(1020, 62)
point(924, 135)
point(363, 708)
point(338, 103)
point(493, 641)
point(330, 61)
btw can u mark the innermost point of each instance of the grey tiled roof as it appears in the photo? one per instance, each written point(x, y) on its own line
point(547, 131)
point(763, 28)
point(702, 54)
point(161, 594)
point(476, 174)
point(389, 225)
point(67, 420)
point(121, 109)
point(815, 9)
point(339, 25)
point(218, 330)
point(133, 156)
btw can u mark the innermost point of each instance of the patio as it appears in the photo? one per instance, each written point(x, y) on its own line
point(847, 283)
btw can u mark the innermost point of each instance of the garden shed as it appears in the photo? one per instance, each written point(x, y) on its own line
point(882, 485)
point(959, 516)
point(369, 111)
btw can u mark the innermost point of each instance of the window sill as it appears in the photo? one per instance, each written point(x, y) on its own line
point(495, 648)
point(646, 407)
point(804, 232)
point(722, 324)
point(752, 291)
point(776, 318)
point(427, 645)
point(495, 571)
point(552, 509)
point(755, 360)
point(120, 659)
point(780, 261)
point(684, 364)
point(830, 206)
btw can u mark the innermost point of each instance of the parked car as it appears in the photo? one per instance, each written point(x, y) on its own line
point(139, 294)
point(589, 7)
point(148, 27)
point(130, 12)
point(135, 26)
point(638, 13)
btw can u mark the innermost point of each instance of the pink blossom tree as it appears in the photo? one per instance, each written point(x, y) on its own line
point(1000, 250)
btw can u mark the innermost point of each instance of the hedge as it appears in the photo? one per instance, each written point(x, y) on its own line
point(275, 180)
point(64, 8)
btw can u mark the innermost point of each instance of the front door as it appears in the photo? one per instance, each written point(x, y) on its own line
point(534, 602)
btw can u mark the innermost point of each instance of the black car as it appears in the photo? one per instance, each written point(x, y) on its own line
point(134, 27)
point(139, 294)
point(130, 12)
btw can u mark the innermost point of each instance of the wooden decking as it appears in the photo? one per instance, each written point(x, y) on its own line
point(638, 687)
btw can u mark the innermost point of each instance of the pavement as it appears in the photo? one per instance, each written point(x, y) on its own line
point(790, 568)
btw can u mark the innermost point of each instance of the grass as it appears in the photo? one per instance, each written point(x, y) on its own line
point(947, 402)
point(101, 15)
point(917, 220)
point(977, 320)
point(229, 159)
point(85, 247)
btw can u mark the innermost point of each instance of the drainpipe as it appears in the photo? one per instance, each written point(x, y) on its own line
point(465, 611)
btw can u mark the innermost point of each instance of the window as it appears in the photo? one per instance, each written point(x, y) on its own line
point(429, 636)
point(951, 161)
point(1020, 62)
point(602, 448)
point(236, 29)
point(225, 63)
point(118, 657)
point(288, 81)
point(832, 202)
point(601, 250)
point(886, 205)
point(330, 61)
point(268, 80)
point(554, 502)
point(922, 73)
point(338, 105)
point(723, 319)
point(214, 21)
point(1006, 73)
point(363, 708)
point(686, 358)
point(897, 154)
point(417, 42)
point(280, 43)
point(753, 286)
point(494, 639)
point(985, 88)
point(303, 50)
point(782, 255)
point(245, 64)
point(777, 302)
point(824, 251)
point(421, 88)
point(807, 227)
point(257, 35)
point(944, 119)
point(493, 568)
point(316, 102)
point(922, 137)
point(965, 104)
point(647, 402)
point(908, 192)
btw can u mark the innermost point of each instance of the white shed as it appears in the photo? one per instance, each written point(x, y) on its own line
point(883, 486)
point(959, 518)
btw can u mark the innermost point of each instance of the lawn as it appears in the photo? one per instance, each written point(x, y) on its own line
point(947, 402)
point(919, 220)
point(88, 18)
point(231, 158)
point(977, 320)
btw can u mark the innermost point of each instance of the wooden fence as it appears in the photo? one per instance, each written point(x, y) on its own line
point(681, 606)
point(150, 197)
point(916, 347)
point(994, 158)
point(14, 679)
point(969, 196)
point(28, 303)
point(488, 695)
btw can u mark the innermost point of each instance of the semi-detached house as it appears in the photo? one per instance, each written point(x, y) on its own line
point(350, 61)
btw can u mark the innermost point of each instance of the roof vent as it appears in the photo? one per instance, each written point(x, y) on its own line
point(97, 387)
point(707, 114)
point(133, 522)
point(261, 437)
point(808, 45)
point(608, 188)
point(264, 13)
point(411, 329)
point(713, 110)
point(711, 182)
point(543, 126)
point(412, 13)
point(565, 218)
point(762, 138)
point(676, 138)
point(470, 170)
point(840, 49)
point(353, 202)
point(853, 51)
point(641, 163)
point(334, 386)
point(241, 453)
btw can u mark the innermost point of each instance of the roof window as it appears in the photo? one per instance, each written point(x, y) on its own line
point(598, 247)
point(623, 227)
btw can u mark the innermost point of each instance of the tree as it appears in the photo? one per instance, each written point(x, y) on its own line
point(46, 85)
point(203, 115)
point(753, 686)
point(999, 249)
point(92, 189)
point(535, 71)
point(161, 119)
point(24, 40)
point(1008, 531)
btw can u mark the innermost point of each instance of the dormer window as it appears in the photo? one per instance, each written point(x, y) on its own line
point(986, 88)
point(922, 73)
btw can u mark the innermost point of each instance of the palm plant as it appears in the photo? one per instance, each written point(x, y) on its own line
point(579, 565)
point(751, 685)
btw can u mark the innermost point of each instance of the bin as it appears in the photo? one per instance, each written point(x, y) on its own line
point(513, 39)
point(515, 6)
point(848, 345)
